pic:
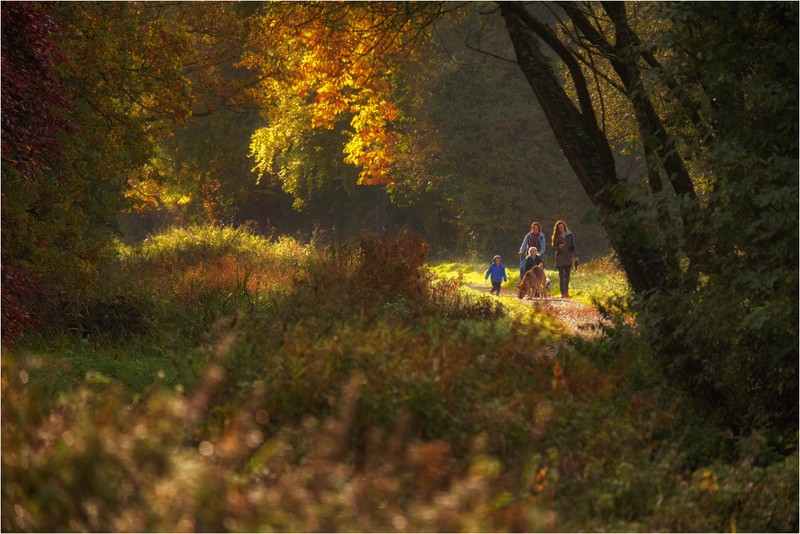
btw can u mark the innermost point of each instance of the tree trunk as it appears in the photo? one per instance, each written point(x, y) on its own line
point(588, 152)
point(650, 123)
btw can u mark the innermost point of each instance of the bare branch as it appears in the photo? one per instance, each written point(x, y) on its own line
point(489, 54)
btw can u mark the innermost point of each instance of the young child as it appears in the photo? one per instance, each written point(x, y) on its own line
point(533, 259)
point(498, 274)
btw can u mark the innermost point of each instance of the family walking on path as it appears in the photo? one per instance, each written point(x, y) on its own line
point(533, 246)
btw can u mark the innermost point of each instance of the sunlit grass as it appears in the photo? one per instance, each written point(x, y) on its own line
point(188, 260)
point(474, 287)
point(595, 281)
point(194, 243)
point(599, 280)
point(474, 273)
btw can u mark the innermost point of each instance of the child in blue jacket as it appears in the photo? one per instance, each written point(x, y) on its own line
point(498, 274)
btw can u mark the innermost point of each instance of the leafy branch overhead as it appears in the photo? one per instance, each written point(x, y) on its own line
point(337, 66)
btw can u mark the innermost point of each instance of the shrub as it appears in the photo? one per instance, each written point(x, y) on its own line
point(18, 292)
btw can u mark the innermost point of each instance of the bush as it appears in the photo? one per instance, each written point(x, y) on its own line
point(18, 292)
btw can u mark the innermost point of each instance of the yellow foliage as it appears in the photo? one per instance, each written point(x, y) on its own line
point(142, 191)
point(558, 375)
point(708, 481)
point(337, 68)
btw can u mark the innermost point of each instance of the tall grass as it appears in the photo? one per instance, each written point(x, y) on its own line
point(600, 281)
point(360, 392)
point(215, 257)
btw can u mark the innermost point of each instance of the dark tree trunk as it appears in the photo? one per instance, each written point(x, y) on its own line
point(630, 230)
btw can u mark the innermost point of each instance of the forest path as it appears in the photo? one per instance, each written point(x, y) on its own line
point(579, 318)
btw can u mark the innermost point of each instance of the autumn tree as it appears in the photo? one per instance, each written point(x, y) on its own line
point(433, 132)
point(34, 115)
point(199, 168)
point(130, 73)
point(34, 99)
point(56, 222)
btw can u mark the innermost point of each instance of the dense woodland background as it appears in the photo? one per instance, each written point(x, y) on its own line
point(226, 218)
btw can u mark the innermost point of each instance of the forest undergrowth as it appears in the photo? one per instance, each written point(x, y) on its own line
point(213, 380)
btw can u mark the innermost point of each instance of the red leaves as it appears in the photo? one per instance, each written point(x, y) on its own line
point(33, 96)
point(17, 289)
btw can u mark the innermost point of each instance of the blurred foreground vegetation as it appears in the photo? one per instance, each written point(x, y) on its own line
point(217, 381)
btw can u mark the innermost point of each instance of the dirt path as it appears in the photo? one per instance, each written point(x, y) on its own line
point(579, 318)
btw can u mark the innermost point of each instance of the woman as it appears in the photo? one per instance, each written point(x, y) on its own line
point(563, 243)
point(534, 238)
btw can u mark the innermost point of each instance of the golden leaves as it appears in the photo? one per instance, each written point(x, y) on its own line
point(338, 66)
point(708, 481)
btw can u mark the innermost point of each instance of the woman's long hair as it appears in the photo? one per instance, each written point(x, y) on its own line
point(555, 232)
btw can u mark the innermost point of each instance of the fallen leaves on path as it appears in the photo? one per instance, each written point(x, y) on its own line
point(578, 318)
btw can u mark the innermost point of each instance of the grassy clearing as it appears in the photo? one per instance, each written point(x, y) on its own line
point(405, 402)
point(136, 363)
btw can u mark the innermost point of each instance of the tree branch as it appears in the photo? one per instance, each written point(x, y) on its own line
point(549, 38)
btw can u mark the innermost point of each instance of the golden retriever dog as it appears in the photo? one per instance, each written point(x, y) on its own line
point(533, 281)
